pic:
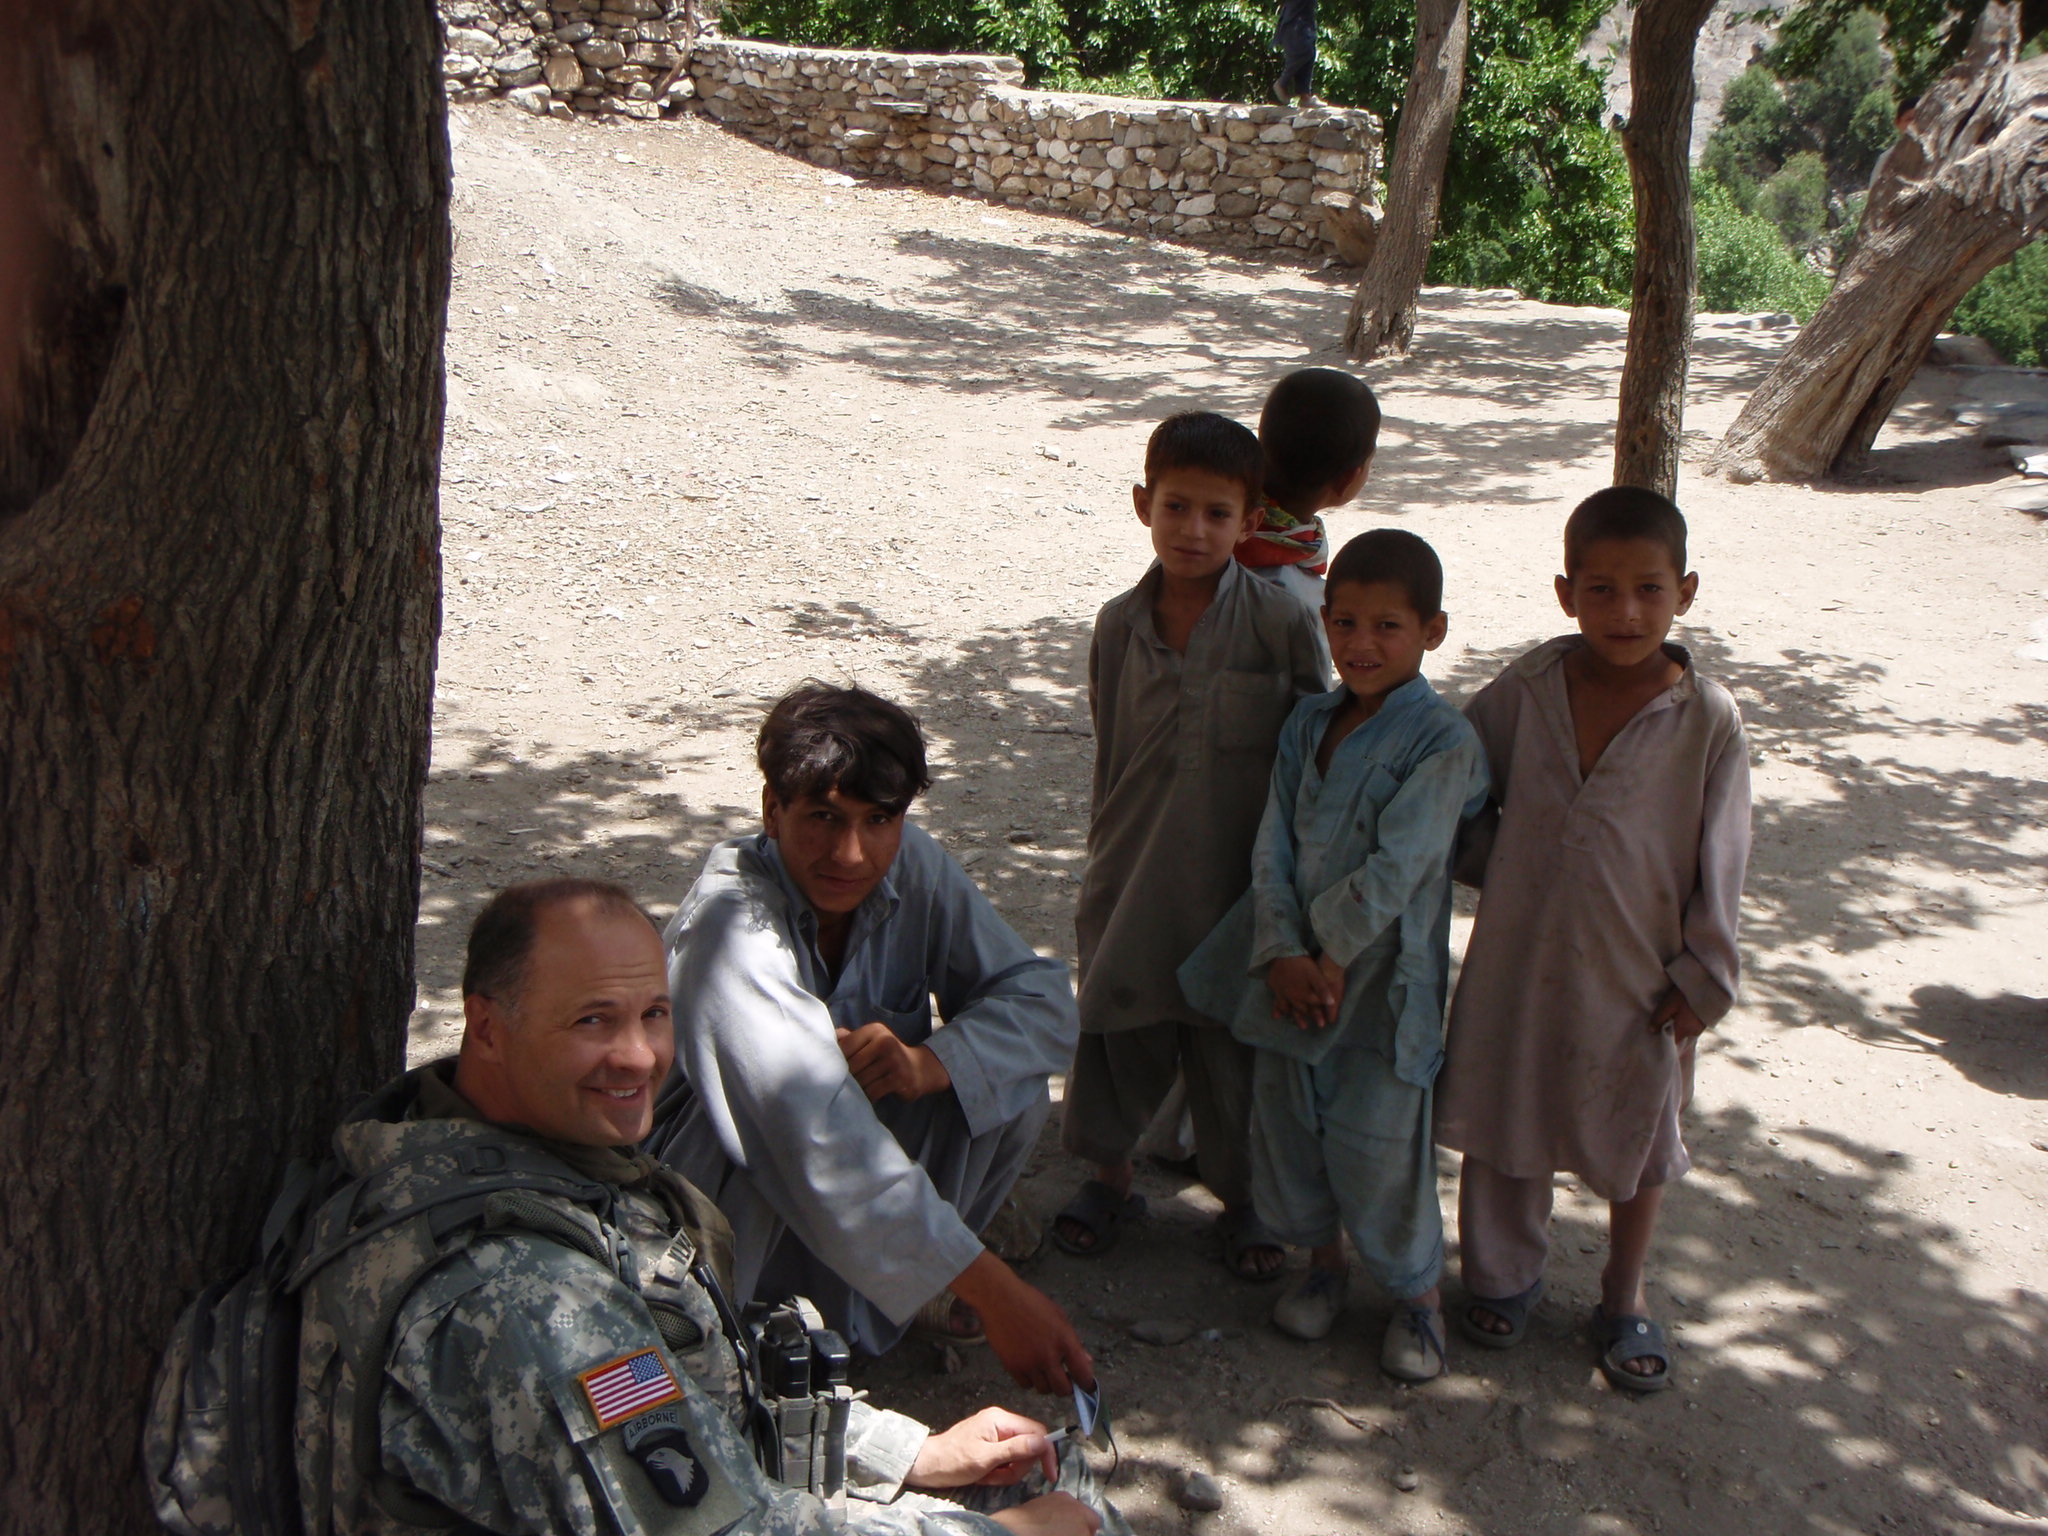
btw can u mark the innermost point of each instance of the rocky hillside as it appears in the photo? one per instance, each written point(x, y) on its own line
point(1727, 42)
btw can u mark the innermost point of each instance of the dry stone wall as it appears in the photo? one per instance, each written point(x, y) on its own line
point(564, 57)
point(1244, 177)
point(1247, 177)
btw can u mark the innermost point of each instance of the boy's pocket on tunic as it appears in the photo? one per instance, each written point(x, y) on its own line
point(1380, 787)
point(1247, 709)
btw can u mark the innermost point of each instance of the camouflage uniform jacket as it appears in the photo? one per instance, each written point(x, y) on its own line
point(527, 1386)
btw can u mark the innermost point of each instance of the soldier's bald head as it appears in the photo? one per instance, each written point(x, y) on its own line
point(566, 1021)
point(502, 937)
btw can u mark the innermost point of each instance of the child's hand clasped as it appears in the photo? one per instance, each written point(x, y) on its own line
point(1305, 990)
point(1675, 1016)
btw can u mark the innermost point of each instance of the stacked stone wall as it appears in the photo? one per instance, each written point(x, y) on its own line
point(1243, 177)
point(1247, 177)
point(565, 57)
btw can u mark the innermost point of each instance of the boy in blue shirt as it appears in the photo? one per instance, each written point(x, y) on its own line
point(1335, 966)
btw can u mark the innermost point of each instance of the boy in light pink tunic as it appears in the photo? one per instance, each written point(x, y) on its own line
point(1605, 940)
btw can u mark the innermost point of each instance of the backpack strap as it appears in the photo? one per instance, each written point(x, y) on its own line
point(486, 1184)
point(459, 1175)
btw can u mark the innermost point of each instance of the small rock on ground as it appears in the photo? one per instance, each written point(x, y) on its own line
point(1161, 1330)
point(1407, 1480)
point(1199, 1492)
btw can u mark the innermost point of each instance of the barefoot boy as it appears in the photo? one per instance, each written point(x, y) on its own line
point(1348, 922)
point(1605, 940)
point(1318, 428)
point(1190, 676)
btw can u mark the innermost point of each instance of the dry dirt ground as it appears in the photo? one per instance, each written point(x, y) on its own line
point(719, 421)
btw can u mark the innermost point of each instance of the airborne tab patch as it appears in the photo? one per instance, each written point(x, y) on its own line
point(628, 1385)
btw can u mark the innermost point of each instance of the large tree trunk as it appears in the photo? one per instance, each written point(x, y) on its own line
point(219, 590)
point(1383, 312)
point(1657, 138)
point(1964, 187)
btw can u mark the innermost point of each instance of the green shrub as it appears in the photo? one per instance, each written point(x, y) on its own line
point(2009, 308)
point(1754, 137)
point(1743, 263)
point(1796, 200)
point(1843, 101)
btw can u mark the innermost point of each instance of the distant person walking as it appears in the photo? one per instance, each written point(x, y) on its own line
point(1296, 35)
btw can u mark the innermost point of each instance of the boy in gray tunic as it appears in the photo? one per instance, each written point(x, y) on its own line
point(1605, 940)
point(1190, 677)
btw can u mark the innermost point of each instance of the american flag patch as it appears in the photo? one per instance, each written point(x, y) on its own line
point(627, 1385)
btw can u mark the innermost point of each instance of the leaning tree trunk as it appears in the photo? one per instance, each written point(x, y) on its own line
point(1964, 187)
point(219, 589)
point(1658, 141)
point(1383, 312)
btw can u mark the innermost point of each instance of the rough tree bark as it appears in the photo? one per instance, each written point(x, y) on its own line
point(1657, 138)
point(1383, 311)
point(1964, 187)
point(219, 593)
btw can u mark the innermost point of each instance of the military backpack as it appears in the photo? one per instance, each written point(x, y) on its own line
point(219, 1446)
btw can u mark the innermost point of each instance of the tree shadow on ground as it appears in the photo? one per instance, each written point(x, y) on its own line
point(494, 817)
point(1004, 713)
point(1788, 1265)
point(1150, 322)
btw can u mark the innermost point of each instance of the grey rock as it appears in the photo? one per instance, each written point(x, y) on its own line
point(469, 40)
point(2030, 459)
point(2017, 427)
point(948, 1362)
point(1964, 351)
point(531, 98)
point(601, 53)
point(1406, 1479)
point(1199, 1492)
point(575, 32)
point(1162, 1331)
point(563, 72)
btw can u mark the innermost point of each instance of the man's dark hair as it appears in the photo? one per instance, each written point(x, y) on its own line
point(501, 938)
point(1317, 427)
point(1624, 512)
point(819, 738)
point(1394, 555)
point(1205, 441)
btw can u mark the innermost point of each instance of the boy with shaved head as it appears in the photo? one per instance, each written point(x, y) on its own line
point(1605, 940)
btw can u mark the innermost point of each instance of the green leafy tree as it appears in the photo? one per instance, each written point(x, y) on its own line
point(1922, 37)
point(1796, 200)
point(1842, 99)
point(1755, 136)
point(2009, 309)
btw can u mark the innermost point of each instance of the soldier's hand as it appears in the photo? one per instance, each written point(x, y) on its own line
point(994, 1446)
point(1050, 1514)
point(883, 1065)
point(1025, 1327)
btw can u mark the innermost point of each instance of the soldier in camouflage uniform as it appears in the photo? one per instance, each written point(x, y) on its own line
point(582, 1382)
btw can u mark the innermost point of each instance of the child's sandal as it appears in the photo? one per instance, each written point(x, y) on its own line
point(1512, 1310)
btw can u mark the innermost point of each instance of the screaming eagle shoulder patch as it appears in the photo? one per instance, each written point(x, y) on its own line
point(631, 1384)
point(661, 1445)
